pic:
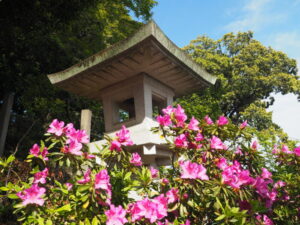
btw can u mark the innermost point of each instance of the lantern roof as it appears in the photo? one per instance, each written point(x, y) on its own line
point(148, 51)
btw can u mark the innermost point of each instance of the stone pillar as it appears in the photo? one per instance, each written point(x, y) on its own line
point(86, 121)
point(4, 119)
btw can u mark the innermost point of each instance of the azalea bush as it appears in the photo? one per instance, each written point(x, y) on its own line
point(217, 175)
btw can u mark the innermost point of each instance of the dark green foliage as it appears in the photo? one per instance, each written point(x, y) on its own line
point(42, 37)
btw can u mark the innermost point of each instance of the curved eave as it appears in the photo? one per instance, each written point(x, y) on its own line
point(148, 30)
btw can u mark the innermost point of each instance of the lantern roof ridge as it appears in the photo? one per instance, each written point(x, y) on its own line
point(149, 32)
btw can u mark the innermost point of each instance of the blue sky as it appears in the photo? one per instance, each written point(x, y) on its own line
point(275, 23)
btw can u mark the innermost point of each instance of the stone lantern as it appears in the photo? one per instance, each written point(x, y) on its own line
point(134, 79)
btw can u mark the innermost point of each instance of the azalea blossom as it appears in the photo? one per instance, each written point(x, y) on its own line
point(154, 172)
point(181, 141)
point(136, 159)
point(116, 215)
point(36, 151)
point(254, 145)
point(199, 137)
point(168, 110)
point(74, 148)
point(285, 149)
point(79, 136)
point(32, 195)
point(222, 121)
point(266, 174)
point(123, 138)
point(40, 177)
point(244, 124)
point(208, 120)
point(102, 181)
point(69, 186)
point(216, 143)
point(86, 177)
point(191, 170)
point(238, 151)
point(193, 125)
point(151, 209)
point(164, 120)
point(56, 127)
point(297, 151)
point(180, 116)
point(172, 195)
point(233, 175)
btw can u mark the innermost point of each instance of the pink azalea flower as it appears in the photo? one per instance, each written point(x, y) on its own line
point(192, 170)
point(89, 156)
point(216, 143)
point(180, 116)
point(56, 127)
point(297, 151)
point(44, 154)
point(238, 151)
point(222, 163)
point(69, 186)
point(124, 137)
point(151, 209)
point(78, 136)
point(116, 215)
point(164, 120)
point(254, 145)
point(165, 181)
point(193, 125)
point(32, 195)
point(136, 159)
point(35, 150)
point(285, 149)
point(181, 141)
point(168, 110)
point(222, 121)
point(172, 195)
point(265, 220)
point(40, 177)
point(266, 174)
point(102, 181)
point(199, 137)
point(154, 172)
point(244, 124)
point(208, 120)
point(279, 184)
point(115, 145)
point(86, 177)
point(74, 148)
point(276, 150)
point(234, 176)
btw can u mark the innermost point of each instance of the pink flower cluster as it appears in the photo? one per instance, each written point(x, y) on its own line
point(75, 138)
point(261, 184)
point(32, 195)
point(264, 220)
point(216, 143)
point(150, 209)
point(285, 150)
point(37, 151)
point(233, 175)
point(179, 116)
point(116, 215)
point(40, 177)
point(122, 138)
point(191, 170)
point(136, 159)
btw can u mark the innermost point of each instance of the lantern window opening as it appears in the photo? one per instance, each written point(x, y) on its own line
point(126, 110)
point(158, 104)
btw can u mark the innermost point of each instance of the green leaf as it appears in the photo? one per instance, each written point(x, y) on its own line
point(49, 222)
point(95, 221)
point(12, 196)
point(220, 217)
point(65, 208)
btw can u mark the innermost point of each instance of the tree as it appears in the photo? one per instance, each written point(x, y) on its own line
point(42, 37)
point(248, 73)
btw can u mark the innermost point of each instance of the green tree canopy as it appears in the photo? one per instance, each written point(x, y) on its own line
point(42, 37)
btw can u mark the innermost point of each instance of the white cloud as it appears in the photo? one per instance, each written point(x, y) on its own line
point(254, 16)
